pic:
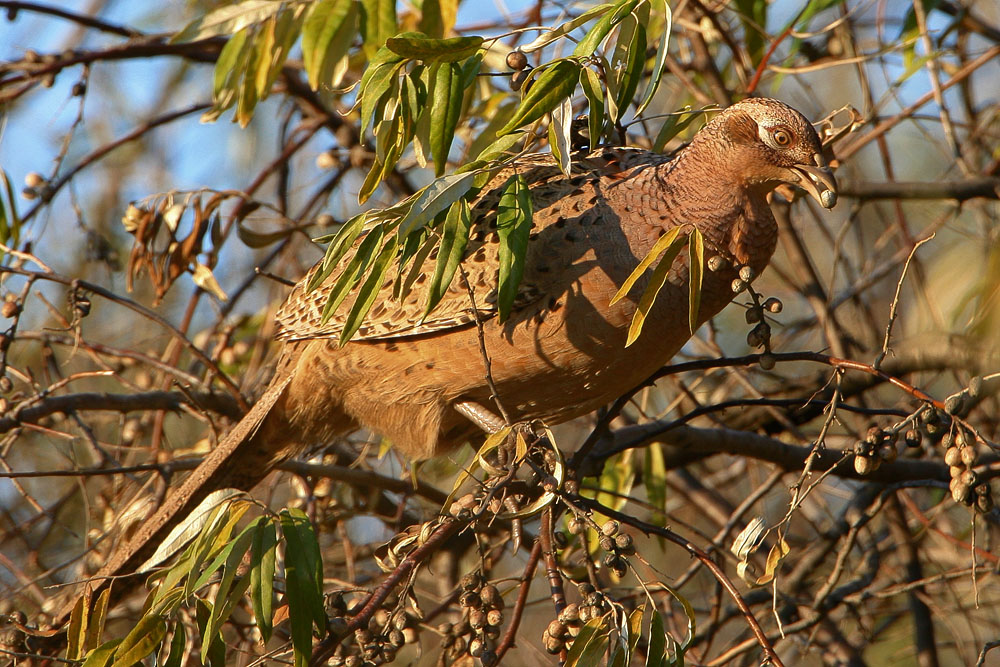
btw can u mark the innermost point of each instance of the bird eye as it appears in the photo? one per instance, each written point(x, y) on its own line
point(782, 138)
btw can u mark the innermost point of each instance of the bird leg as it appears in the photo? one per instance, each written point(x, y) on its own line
point(480, 416)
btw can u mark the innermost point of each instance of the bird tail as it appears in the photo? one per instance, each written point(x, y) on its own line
point(251, 449)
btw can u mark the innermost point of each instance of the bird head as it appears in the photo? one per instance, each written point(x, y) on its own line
point(776, 144)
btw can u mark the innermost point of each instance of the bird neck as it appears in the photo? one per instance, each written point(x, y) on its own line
point(703, 189)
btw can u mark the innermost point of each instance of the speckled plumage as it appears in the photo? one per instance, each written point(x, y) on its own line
point(562, 352)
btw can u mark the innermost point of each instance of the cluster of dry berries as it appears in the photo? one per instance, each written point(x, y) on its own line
point(879, 445)
point(560, 633)
point(389, 629)
point(482, 615)
point(517, 61)
point(965, 485)
point(618, 546)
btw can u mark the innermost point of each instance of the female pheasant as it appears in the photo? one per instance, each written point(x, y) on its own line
point(562, 352)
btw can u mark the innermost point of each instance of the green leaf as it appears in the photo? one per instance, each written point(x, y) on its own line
point(656, 652)
point(227, 596)
point(549, 36)
point(228, 71)
point(141, 641)
point(656, 282)
point(323, 38)
point(514, 215)
point(303, 581)
point(175, 658)
point(378, 22)
point(77, 631)
point(451, 250)
point(672, 126)
point(434, 198)
point(555, 84)
point(217, 647)
point(246, 94)
point(352, 273)
point(378, 84)
point(696, 269)
point(559, 134)
point(445, 110)
point(595, 99)
point(753, 16)
point(101, 656)
point(262, 559)
point(418, 46)
point(213, 538)
point(280, 33)
point(633, 61)
point(340, 243)
point(589, 645)
point(663, 243)
point(661, 57)
point(228, 19)
point(95, 627)
point(592, 40)
point(369, 290)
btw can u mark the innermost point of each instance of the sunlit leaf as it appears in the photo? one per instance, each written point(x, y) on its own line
point(323, 43)
point(559, 134)
point(592, 40)
point(216, 647)
point(589, 645)
point(378, 22)
point(436, 197)
point(672, 126)
point(229, 69)
point(514, 215)
point(661, 56)
point(303, 581)
point(141, 641)
point(176, 654)
point(262, 560)
point(205, 279)
point(662, 243)
point(445, 111)
point(656, 282)
point(353, 272)
point(369, 290)
point(228, 19)
point(417, 46)
point(554, 85)
point(594, 91)
point(77, 631)
point(656, 651)
point(633, 60)
point(101, 656)
point(451, 250)
point(547, 37)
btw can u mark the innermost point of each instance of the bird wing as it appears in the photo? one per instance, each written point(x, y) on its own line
point(301, 315)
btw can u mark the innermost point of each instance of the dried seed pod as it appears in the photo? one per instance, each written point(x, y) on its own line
point(752, 316)
point(397, 639)
point(984, 504)
point(759, 335)
point(767, 361)
point(738, 285)
point(968, 455)
point(953, 404)
point(553, 645)
point(550, 483)
point(556, 629)
point(607, 543)
point(471, 581)
point(575, 526)
point(863, 465)
point(491, 596)
point(470, 599)
point(570, 613)
point(477, 619)
point(610, 528)
point(585, 588)
point(623, 542)
point(956, 471)
point(33, 179)
point(975, 386)
point(400, 621)
point(516, 60)
point(337, 626)
point(887, 452)
point(410, 635)
point(476, 647)
point(969, 478)
point(747, 273)
point(716, 263)
point(913, 438)
point(861, 448)
point(959, 492)
point(952, 457)
point(518, 79)
point(494, 617)
point(10, 309)
point(773, 305)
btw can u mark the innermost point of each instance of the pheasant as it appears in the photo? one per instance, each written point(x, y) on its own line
point(421, 381)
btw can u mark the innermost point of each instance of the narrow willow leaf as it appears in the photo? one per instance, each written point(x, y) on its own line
point(672, 126)
point(417, 46)
point(662, 243)
point(656, 282)
point(549, 36)
point(445, 111)
point(340, 243)
point(378, 22)
point(434, 198)
point(696, 269)
point(559, 134)
point(594, 91)
point(95, 628)
point(377, 89)
point(656, 652)
point(246, 94)
point(634, 63)
point(281, 32)
point(175, 658)
point(592, 40)
point(230, 590)
point(369, 290)
point(554, 85)
point(262, 560)
point(226, 76)
point(353, 271)
point(141, 641)
point(661, 56)
point(451, 250)
point(322, 43)
point(77, 631)
point(217, 647)
point(303, 581)
point(410, 264)
point(514, 214)
point(228, 19)
point(101, 656)
point(591, 633)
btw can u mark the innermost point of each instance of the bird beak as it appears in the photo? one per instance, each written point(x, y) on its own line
point(818, 181)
